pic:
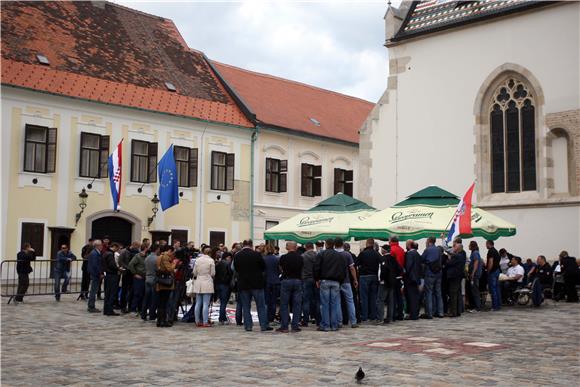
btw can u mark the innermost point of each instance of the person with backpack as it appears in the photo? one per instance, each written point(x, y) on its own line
point(473, 276)
point(431, 258)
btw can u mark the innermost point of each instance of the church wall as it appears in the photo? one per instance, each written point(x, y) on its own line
point(423, 131)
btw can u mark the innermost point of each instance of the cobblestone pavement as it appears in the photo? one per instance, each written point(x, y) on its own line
point(48, 343)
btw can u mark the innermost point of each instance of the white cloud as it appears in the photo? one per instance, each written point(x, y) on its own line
point(334, 45)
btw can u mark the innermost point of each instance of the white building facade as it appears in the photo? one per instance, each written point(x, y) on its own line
point(485, 92)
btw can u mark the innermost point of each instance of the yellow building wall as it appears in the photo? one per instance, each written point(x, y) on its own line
point(36, 202)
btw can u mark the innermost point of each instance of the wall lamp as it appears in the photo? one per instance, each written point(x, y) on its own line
point(82, 205)
point(155, 208)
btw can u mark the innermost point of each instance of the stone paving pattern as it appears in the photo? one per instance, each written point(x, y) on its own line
point(47, 343)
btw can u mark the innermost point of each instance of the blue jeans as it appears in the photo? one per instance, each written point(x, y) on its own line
point(309, 301)
point(271, 294)
point(494, 290)
point(291, 289)
point(369, 287)
point(329, 304)
point(138, 293)
point(95, 282)
point(175, 300)
point(346, 293)
point(224, 294)
point(433, 294)
point(58, 275)
point(246, 298)
point(149, 302)
point(202, 301)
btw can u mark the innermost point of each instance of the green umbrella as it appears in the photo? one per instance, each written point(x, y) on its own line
point(428, 213)
point(331, 218)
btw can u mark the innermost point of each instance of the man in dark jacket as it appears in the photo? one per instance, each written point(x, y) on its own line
point(62, 270)
point(412, 278)
point(389, 273)
point(94, 268)
point(291, 265)
point(23, 269)
point(86, 278)
point(125, 257)
point(570, 273)
point(111, 271)
point(431, 258)
point(223, 280)
point(368, 265)
point(455, 273)
point(249, 266)
point(329, 272)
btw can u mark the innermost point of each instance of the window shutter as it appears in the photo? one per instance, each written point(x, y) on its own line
point(33, 233)
point(230, 168)
point(316, 187)
point(51, 150)
point(152, 172)
point(336, 180)
point(104, 156)
point(268, 163)
point(304, 180)
point(317, 171)
point(283, 166)
point(193, 167)
point(283, 182)
point(348, 175)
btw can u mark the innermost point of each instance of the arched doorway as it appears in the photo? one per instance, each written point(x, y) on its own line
point(118, 229)
point(120, 226)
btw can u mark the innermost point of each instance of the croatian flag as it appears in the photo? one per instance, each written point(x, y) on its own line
point(115, 173)
point(461, 224)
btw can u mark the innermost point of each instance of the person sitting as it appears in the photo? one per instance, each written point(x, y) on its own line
point(514, 278)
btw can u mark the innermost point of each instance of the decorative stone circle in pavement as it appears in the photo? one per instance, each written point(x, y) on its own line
point(439, 347)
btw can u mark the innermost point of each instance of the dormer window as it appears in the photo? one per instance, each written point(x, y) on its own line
point(43, 60)
point(170, 86)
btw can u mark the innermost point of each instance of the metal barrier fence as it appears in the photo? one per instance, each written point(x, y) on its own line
point(41, 281)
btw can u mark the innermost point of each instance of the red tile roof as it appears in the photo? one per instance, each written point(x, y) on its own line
point(290, 105)
point(111, 54)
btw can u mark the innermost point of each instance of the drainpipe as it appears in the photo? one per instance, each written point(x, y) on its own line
point(252, 163)
point(201, 188)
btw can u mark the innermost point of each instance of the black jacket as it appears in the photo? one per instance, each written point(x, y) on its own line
point(223, 273)
point(249, 266)
point(330, 265)
point(544, 275)
point(390, 270)
point(109, 264)
point(368, 261)
point(23, 260)
point(413, 268)
point(456, 265)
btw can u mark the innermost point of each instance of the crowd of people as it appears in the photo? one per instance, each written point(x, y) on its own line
point(315, 283)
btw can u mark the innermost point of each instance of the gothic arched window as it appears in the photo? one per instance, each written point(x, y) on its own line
point(513, 138)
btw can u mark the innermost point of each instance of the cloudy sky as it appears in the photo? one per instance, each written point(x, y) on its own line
point(337, 45)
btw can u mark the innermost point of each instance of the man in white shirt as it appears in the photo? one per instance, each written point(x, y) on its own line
point(515, 277)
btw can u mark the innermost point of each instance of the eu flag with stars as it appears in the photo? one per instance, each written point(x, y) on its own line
point(168, 190)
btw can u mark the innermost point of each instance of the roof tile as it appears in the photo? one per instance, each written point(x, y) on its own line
point(288, 104)
point(110, 54)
